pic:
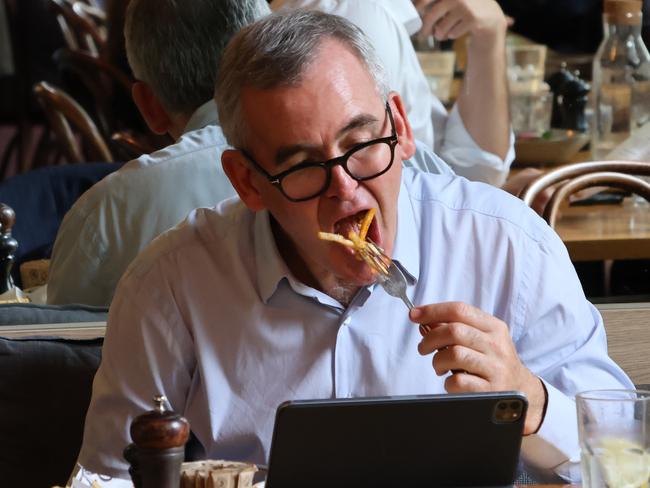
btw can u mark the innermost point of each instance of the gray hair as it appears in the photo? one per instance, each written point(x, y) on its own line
point(175, 46)
point(276, 51)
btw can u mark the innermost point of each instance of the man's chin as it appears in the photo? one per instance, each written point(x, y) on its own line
point(358, 276)
point(347, 285)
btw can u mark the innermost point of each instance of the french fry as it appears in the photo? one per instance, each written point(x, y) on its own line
point(326, 236)
point(365, 224)
point(363, 250)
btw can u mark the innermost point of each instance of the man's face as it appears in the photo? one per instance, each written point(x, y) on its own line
point(334, 108)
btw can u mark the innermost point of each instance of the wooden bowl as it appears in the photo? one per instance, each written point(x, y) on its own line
point(558, 148)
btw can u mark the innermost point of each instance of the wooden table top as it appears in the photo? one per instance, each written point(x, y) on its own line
point(601, 232)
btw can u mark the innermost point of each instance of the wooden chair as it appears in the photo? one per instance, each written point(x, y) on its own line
point(64, 114)
point(100, 80)
point(94, 15)
point(575, 177)
point(79, 30)
point(130, 146)
point(628, 338)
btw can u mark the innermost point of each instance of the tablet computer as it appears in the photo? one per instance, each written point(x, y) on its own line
point(468, 439)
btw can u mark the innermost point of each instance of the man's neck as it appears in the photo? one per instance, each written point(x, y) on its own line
point(326, 282)
point(178, 123)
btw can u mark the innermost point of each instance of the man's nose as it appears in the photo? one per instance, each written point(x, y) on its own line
point(342, 185)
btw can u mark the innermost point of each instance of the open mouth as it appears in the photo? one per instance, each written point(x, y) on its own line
point(353, 223)
point(359, 241)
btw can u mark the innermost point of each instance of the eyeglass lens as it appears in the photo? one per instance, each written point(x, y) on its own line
point(364, 163)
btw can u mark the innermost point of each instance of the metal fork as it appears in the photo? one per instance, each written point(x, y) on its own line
point(391, 278)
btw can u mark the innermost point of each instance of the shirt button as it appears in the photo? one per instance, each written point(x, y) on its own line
point(346, 321)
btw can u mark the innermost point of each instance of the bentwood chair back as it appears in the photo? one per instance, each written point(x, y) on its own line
point(572, 178)
point(128, 145)
point(79, 29)
point(76, 134)
point(93, 14)
point(98, 80)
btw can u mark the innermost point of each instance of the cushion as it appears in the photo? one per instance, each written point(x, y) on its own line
point(29, 313)
point(45, 388)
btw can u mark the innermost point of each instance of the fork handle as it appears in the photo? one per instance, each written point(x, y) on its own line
point(407, 301)
point(423, 328)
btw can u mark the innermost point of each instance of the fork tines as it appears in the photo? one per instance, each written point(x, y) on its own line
point(375, 257)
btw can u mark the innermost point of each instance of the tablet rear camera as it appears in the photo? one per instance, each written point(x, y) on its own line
point(507, 411)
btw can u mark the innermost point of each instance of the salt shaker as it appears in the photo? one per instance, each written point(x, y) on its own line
point(158, 448)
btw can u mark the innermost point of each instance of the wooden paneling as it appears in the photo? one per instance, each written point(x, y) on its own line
point(628, 338)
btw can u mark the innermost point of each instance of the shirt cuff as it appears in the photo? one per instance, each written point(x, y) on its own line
point(555, 446)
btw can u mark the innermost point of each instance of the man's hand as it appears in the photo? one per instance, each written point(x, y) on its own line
point(478, 350)
point(450, 19)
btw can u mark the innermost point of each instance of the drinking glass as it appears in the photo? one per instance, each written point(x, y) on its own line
point(614, 438)
point(531, 112)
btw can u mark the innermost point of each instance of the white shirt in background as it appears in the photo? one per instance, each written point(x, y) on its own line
point(389, 24)
point(120, 215)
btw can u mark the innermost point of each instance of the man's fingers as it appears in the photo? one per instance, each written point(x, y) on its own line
point(462, 382)
point(446, 24)
point(459, 358)
point(432, 14)
point(454, 312)
point(459, 30)
point(453, 334)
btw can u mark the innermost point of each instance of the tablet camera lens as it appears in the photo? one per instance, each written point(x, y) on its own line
point(507, 411)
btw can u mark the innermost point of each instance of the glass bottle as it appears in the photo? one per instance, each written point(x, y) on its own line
point(621, 78)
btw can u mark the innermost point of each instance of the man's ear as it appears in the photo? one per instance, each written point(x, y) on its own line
point(240, 175)
point(406, 147)
point(152, 111)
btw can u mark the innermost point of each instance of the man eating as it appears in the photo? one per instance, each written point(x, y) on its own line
point(242, 306)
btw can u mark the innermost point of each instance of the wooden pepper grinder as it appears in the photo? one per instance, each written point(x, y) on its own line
point(8, 247)
point(158, 448)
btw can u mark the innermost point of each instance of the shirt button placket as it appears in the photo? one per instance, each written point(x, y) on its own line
point(342, 353)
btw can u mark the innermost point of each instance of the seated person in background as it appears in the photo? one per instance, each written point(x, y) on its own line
point(174, 53)
point(474, 138)
point(242, 307)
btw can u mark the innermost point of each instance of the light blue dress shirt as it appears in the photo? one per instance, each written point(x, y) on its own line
point(118, 217)
point(210, 316)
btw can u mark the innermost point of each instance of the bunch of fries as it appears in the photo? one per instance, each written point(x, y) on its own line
point(366, 250)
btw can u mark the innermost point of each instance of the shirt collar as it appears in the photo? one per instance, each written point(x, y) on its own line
point(206, 114)
point(271, 268)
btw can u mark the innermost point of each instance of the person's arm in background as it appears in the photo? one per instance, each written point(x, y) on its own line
point(388, 25)
point(483, 98)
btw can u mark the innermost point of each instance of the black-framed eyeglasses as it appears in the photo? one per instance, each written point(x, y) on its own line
point(309, 180)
